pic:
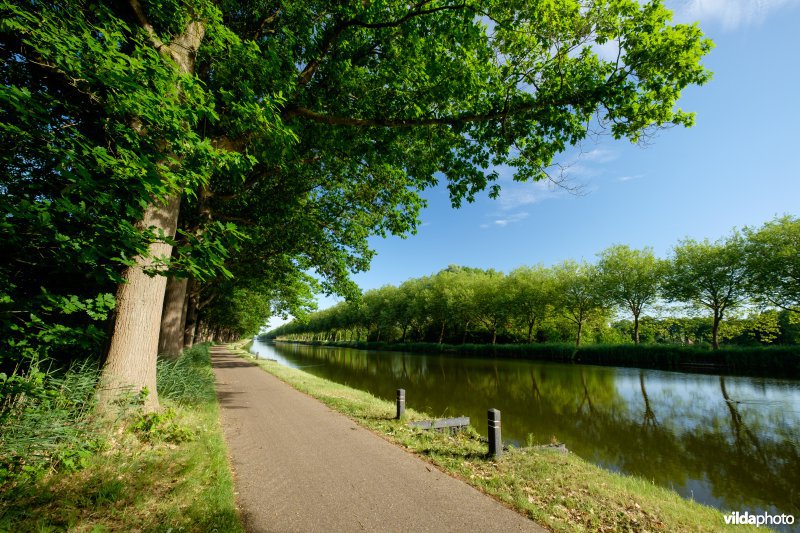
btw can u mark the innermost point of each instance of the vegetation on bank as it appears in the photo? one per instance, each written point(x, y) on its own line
point(560, 491)
point(777, 361)
point(62, 467)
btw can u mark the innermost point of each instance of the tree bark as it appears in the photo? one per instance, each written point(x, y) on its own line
point(715, 329)
point(578, 337)
point(190, 322)
point(636, 329)
point(130, 367)
point(173, 317)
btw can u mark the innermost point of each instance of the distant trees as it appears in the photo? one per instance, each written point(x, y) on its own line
point(755, 270)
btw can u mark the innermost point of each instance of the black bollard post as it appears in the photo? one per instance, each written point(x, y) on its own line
point(495, 439)
point(401, 403)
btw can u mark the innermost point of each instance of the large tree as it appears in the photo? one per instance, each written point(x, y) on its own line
point(532, 293)
point(579, 294)
point(773, 263)
point(490, 300)
point(711, 275)
point(630, 278)
point(178, 95)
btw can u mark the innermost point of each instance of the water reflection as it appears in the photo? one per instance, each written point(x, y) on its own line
point(731, 442)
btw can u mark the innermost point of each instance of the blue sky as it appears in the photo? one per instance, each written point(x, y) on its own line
point(738, 166)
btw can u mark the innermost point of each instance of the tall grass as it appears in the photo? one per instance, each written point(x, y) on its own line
point(46, 413)
point(188, 379)
point(157, 471)
point(46, 419)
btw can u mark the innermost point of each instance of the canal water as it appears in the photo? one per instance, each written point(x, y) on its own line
point(727, 441)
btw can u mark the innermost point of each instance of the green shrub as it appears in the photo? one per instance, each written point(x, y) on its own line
point(161, 427)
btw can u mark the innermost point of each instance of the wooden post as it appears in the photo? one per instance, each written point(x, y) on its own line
point(495, 440)
point(401, 403)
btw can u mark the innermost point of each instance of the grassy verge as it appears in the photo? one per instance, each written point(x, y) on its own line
point(776, 361)
point(151, 473)
point(558, 490)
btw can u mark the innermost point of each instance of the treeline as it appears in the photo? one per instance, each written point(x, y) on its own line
point(747, 286)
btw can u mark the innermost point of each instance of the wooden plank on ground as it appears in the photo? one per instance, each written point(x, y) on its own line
point(442, 423)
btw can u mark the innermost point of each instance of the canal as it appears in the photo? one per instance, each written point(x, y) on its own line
point(731, 442)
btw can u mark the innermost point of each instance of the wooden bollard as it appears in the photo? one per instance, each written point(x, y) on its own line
point(401, 403)
point(495, 440)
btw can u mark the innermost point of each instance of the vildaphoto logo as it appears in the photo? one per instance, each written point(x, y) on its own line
point(746, 519)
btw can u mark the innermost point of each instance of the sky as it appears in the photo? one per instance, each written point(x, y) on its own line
point(738, 166)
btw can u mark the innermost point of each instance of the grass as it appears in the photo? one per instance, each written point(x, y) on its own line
point(558, 490)
point(153, 473)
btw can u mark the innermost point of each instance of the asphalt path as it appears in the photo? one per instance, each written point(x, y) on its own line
point(299, 466)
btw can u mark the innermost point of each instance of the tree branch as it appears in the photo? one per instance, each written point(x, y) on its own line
point(143, 21)
point(264, 23)
point(465, 118)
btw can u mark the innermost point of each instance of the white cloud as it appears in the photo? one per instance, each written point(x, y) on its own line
point(515, 195)
point(731, 14)
point(629, 178)
point(598, 155)
point(504, 221)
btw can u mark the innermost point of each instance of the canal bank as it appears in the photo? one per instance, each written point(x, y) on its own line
point(729, 442)
point(561, 491)
point(780, 361)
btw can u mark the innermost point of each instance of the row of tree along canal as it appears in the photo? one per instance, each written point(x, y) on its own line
point(730, 442)
point(751, 279)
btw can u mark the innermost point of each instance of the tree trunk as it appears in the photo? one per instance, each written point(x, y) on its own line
point(578, 337)
point(200, 335)
point(494, 336)
point(441, 333)
point(190, 316)
point(715, 329)
point(130, 367)
point(530, 330)
point(173, 317)
point(131, 363)
point(636, 329)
